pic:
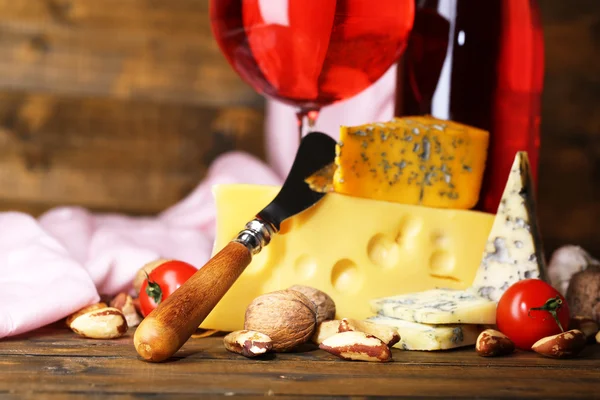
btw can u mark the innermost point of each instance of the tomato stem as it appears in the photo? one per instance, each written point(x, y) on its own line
point(153, 290)
point(552, 306)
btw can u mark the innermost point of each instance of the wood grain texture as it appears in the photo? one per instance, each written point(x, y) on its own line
point(569, 179)
point(136, 157)
point(132, 49)
point(68, 365)
point(174, 321)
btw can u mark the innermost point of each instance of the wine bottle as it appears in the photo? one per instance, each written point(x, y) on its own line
point(480, 63)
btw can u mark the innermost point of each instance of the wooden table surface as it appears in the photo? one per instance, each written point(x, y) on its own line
point(55, 363)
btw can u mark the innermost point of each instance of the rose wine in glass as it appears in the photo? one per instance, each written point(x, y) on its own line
point(479, 62)
point(311, 53)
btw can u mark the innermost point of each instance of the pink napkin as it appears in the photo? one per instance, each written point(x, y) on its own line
point(60, 263)
point(39, 280)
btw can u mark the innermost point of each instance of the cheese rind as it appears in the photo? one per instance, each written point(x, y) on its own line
point(514, 248)
point(438, 306)
point(353, 249)
point(424, 337)
point(412, 160)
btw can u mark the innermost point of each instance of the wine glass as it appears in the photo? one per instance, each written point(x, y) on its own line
point(311, 53)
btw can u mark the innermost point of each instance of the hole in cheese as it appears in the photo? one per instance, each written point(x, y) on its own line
point(305, 267)
point(346, 277)
point(383, 251)
point(258, 263)
point(441, 263)
point(440, 239)
point(409, 228)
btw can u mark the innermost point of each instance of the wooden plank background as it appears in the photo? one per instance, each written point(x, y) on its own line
point(569, 180)
point(122, 105)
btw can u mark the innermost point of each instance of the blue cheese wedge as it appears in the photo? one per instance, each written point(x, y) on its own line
point(514, 247)
point(416, 336)
point(438, 306)
point(513, 252)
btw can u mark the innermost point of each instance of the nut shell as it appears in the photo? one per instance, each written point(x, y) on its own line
point(565, 262)
point(124, 303)
point(84, 310)
point(247, 343)
point(105, 323)
point(588, 326)
point(491, 343)
point(357, 346)
point(564, 345)
point(582, 293)
point(288, 317)
point(325, 304)
point(387, 334)
point(326, 329)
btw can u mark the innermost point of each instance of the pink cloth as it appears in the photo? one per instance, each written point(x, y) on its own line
point(61, 262)
point(39, 280)
point(58, 264)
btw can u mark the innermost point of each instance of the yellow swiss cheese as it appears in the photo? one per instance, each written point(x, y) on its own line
point(412, 160)
point(354, 249)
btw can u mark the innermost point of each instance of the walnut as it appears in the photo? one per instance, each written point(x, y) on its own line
point(288, 317)
point(583, 294)
point(324, 303)
point(565, 262)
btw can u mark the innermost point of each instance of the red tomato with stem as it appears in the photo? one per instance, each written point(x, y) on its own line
point(162, 282)
point(530, 310)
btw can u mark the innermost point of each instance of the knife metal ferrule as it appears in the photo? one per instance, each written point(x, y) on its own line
point(256, 235)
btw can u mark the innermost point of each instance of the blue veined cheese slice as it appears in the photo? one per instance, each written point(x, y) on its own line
point(514, 248)
point(513, 252)
point(416, 336)
point(438, 306)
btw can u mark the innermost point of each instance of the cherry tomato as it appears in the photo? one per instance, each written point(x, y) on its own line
point(162, 282)
point(525, 312)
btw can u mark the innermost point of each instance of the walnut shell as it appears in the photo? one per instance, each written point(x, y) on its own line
point(583, 293)
point(288, 317)
point(325, 304)
point(565, 262)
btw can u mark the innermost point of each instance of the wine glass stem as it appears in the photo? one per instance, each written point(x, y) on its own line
point(307, 117)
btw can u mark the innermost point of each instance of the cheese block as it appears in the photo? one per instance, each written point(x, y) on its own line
point(416, 336)
point(513, 252)
point(438, 306)
point(354, 249)
point(514, 247)
point(412, 160)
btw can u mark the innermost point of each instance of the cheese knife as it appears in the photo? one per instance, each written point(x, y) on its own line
point(174, 320)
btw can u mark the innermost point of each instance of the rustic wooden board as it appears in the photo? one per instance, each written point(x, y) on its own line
point(124, 155)
point(59, 363)
point(140, 49)
point(570, 148)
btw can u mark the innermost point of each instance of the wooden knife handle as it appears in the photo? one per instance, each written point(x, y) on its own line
point(171, 324)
